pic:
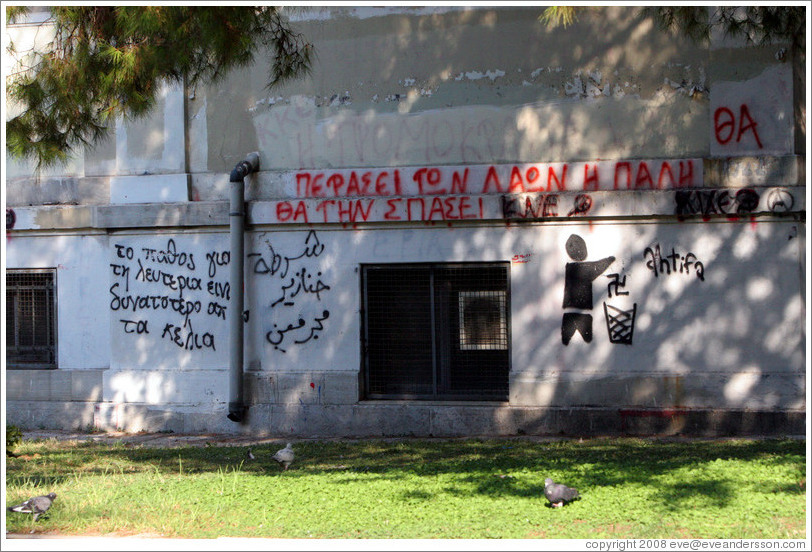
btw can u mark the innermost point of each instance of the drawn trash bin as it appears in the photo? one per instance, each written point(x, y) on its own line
point(620, 323)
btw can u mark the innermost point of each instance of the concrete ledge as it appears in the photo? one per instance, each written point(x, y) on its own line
point(703, 203)
point(157, 188)
point(725, 172)
point(54, 385)
point(402, 420)
point(780, 391)
point(140, 215)
point(309, 388)
point(748, 171)
point(66, 190)
point(50, 415)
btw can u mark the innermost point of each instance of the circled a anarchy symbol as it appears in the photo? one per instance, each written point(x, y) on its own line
point(780, 200)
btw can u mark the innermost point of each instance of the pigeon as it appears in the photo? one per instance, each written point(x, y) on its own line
point(37, 505)
point(250, 455)
point(284, 456)
point(559, 494)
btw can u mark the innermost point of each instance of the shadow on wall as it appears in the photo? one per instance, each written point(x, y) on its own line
point(690, 315)
point(395, 108)
point(714, 319)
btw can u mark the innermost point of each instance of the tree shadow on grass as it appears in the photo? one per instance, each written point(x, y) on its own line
point(496, 468)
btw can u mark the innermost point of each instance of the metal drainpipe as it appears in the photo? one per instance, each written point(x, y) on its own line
point(236, 215)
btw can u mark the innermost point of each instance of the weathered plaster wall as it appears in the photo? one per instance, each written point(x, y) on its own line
point(716, 310)
point(403, 86)
point(467, 86)
point(437, 135)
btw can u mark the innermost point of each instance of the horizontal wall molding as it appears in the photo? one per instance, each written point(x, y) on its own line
point(268, 185)
point(409, 420)
point(158, 188)
point(702, 203)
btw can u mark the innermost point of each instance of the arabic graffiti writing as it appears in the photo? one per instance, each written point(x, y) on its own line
point(296, 292)
point(276, 336)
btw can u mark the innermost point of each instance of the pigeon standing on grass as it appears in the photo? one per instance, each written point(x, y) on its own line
point(250, 455)
point(559, 494)
point(37, 505)
point(284, 456)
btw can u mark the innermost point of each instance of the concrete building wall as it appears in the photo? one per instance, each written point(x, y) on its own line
point(437, 135)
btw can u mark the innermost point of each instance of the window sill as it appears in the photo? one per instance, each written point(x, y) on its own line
point(432, 402)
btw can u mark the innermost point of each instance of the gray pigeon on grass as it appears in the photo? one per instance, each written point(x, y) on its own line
point(284, 456)
point(37, 505)
point(558, 494)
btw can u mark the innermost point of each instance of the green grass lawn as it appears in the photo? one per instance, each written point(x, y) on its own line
point(473, 488)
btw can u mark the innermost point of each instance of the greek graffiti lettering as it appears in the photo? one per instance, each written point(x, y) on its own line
point(725, 125)
point(428, 180)
point(169, 255)
point(217, 258)
point(530, 206)
point(188, 339)
point(170, 290)
point(135, 326)
point(124, 252)
point(715, 202)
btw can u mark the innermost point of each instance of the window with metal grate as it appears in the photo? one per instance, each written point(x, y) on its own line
point(31, 318)
point(437, 331)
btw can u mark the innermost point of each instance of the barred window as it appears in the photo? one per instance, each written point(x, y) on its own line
point(438, 331)
point(31, 318)
point(482, 320)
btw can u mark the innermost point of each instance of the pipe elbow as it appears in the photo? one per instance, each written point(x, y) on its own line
point(245, 167)
point(236, 412)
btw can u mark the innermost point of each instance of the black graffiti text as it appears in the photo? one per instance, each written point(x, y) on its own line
point(303, 282)
point(219, 289)
point(174, 282)
point(135, 326)
point(217, 258)
point(169, 255)
point(136, 303)
point(279, 264)
point(123, 271)
point(538, 205)
point(672, 263)
point(277, 335)
point(216, 309)
point(188, 339)
point(716, 202)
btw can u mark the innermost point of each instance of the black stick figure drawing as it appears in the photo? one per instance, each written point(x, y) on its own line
point(578, 278)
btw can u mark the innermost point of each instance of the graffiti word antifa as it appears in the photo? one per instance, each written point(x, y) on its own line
point(672, 263)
